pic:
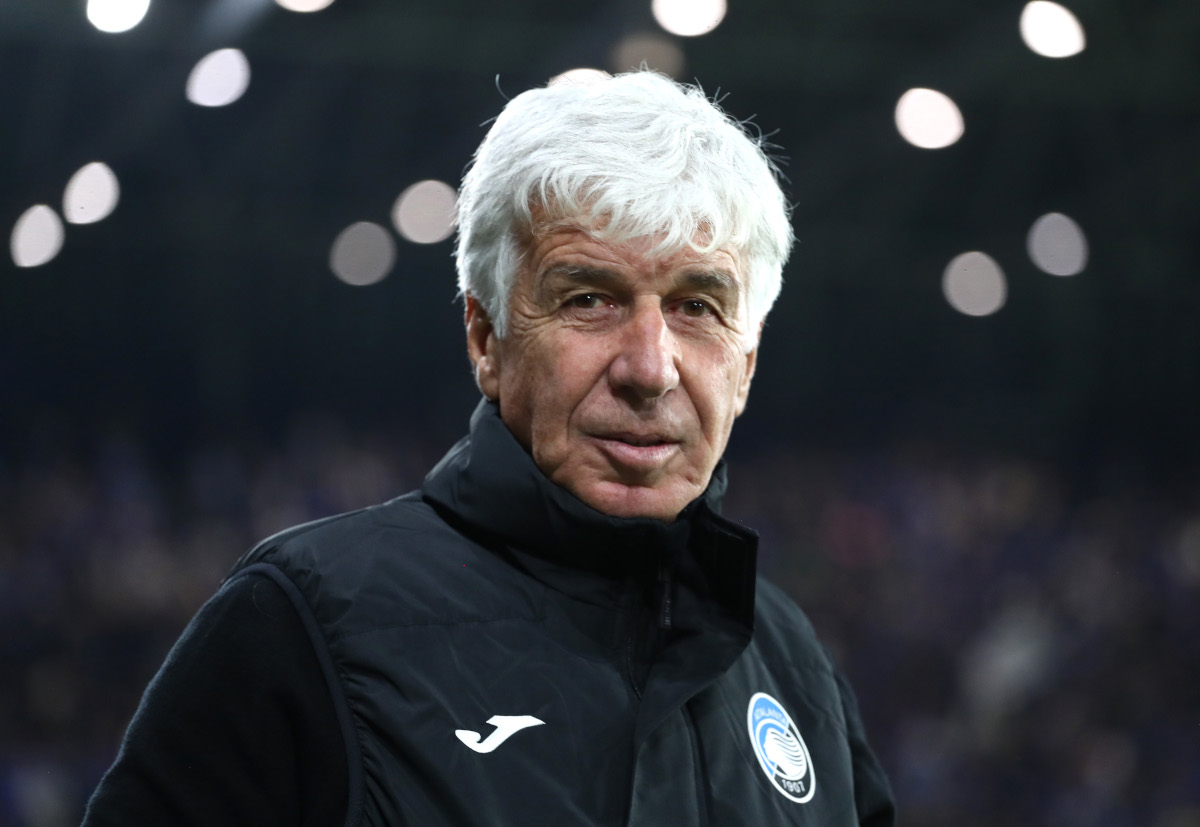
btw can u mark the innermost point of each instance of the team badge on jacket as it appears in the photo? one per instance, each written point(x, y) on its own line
point(781, 751)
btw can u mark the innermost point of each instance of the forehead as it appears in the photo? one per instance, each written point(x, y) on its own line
point(562, 247)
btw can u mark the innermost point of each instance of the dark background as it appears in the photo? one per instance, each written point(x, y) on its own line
point(206, 301)
point(188, 373)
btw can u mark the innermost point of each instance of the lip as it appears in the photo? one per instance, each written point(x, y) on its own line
point(637, 457)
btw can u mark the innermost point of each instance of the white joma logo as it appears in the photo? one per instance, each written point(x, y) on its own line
point(505, 726)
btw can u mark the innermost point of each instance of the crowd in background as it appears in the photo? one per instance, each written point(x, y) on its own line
point(1026, 650)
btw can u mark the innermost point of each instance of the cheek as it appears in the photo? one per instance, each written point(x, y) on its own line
point(555, 378)
point(717, 386)
point(577, 361)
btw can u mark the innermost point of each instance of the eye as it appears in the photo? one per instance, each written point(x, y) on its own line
point(695, 308)
point(586, 301)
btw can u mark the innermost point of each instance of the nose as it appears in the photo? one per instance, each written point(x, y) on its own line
point(646, 365)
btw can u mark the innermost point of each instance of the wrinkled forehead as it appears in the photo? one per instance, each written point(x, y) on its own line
point(698, 253)
point(664, 241)
point(561, 255)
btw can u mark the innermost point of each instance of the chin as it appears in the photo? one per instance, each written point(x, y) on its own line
point(618, 500)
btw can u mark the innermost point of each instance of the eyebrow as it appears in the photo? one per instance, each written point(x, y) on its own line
point(714, 281)
point(720, 284)
point(717, 281)
point(581, 275)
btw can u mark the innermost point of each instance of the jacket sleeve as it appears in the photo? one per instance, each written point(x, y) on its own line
point(872, 793)
point(237, 728)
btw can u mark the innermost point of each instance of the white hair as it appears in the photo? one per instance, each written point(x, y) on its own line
point(632, 156)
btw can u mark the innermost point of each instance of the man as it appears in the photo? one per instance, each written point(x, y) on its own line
point(557, 628)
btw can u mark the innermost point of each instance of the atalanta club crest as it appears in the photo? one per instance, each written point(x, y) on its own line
point(781, 751)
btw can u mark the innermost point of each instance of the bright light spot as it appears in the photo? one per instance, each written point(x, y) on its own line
point(305, 5)
point(928, 119)
point(974, 284)
point(1051, 30)
point(91, 194)
point(36, 237)
point(424, 212)
point(1057, 245)
point(688, 18)
point(658, 53)
point(219, 78)
point(362, 254)
point(579, 77)
point(115, 16)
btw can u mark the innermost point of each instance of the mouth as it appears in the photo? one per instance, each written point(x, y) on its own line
point(638, 452)
point(639, 441)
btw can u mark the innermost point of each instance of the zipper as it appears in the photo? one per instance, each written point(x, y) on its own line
point(634, 620)
point(637, 690)
point(701, 771)
point(665, 584)
point(661, 609)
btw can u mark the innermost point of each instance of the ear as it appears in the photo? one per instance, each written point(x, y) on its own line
point(482, 348)
point(743, 391)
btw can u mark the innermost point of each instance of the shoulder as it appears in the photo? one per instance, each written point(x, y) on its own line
point(353, 531)
point(399, 560)
point(782, 631)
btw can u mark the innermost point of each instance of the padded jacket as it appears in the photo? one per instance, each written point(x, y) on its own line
point(491, 650)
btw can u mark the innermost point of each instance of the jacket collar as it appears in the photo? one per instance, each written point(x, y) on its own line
point(489, 481)
point(488, 485)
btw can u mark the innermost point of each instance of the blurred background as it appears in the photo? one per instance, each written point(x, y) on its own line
point(971, 450)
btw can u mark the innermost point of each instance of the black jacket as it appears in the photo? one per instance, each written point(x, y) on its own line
point(490, 650)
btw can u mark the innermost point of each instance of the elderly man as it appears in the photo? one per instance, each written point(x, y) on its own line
point(558, 627)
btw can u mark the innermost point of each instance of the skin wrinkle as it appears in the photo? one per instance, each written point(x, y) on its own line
point(635, 157)
point(619, 342)
point(716, 285)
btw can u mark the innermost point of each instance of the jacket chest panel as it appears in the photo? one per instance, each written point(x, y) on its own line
point(801, 709)
point(486, 723)
point(497, 722)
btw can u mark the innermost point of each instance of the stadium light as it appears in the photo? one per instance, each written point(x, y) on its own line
point(424, 212)
point(116, 16)
point(219, 78)
point(362, 254)
point(1057, 245)
point(688, 18)
point(1051, 30)
point(974, 284)
point(36, 237)
point(928, 119)
point(304, 5)
point(581, 76)
point(658, 53)
point(91, 195)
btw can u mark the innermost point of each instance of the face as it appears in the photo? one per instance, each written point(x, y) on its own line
point(622, 370)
